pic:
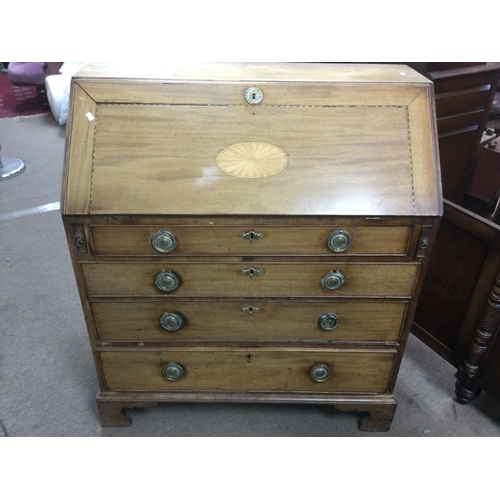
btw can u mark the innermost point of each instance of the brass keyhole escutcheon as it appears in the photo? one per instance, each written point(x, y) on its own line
point(250, 309)
point(254, 96)
point(251, 271)
point(252, 236)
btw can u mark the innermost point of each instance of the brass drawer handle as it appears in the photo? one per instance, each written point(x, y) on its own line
point(328, 321)
point(163, 241)
point(171, 321)
point(79, 240)
point(252, 236)
point(173, 371)
point(424, 243)
point(339, 240)
point(251, 271)
point(320, 373)
point(333, 280)
point(166, 281)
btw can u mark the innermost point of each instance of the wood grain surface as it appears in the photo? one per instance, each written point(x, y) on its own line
point(358, 147)
point(226, 279)
point(220, 72)
point(275, 240)
point(364, 149)
point(247, 369)
point(288, 321)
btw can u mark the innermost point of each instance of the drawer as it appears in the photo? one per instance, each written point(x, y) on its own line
point(244, 240)
point(256, 320)
point(249, 370)
point(462, 101)
point(254, 279)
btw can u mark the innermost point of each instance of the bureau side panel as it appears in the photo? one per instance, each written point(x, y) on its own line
point(77, 180)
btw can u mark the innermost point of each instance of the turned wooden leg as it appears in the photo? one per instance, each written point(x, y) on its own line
point(466, 393)
point(113, 415)
point(466, 388)
point(377, 420)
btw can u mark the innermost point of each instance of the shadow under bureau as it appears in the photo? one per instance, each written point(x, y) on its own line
point(250, 232)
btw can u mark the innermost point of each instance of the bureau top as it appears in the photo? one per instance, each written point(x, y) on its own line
point(251, 139)
point(255, 72)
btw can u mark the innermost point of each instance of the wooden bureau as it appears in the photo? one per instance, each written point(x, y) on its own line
point(250, 232)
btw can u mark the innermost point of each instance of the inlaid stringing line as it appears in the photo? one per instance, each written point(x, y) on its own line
point(414, 209)
point(93, 159)
point(260, 105)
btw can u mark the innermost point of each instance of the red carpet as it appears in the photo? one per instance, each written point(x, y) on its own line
point(19, 101)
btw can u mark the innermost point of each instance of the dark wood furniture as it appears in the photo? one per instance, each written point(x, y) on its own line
point(463, 100)
point(250, 233)
point(458, 314)
point(458, 311)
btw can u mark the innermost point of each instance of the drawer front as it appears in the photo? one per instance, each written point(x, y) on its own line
point(256, 320)
point(249, 279)
point(250, 370)
point(267, 240)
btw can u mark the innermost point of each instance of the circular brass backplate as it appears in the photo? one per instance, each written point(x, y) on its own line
point(328, 321)
point(332, 280)
point(252, 160)
point(171, 321)
point(166, 281)
point(173, 371)
point(339, 240)
point(320, 373)
point(163, 241)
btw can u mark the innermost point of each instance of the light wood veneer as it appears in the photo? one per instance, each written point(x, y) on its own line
point(250, 318)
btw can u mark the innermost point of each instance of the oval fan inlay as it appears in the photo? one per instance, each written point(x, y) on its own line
point(252, 160)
